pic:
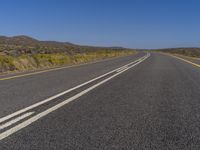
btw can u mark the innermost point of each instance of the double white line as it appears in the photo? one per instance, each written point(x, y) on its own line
point(31, 120)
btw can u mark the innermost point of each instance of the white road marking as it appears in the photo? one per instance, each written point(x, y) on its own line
point(60, 94)
point(52, 109)
point(122, 68)
point(7, 124)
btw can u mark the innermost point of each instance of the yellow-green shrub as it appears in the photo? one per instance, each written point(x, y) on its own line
point(31, 62)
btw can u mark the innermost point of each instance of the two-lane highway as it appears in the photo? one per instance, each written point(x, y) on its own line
point(146, 101)
point(21, 92)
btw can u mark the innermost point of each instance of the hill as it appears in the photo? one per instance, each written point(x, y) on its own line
point(18, 45)
point(22, 53)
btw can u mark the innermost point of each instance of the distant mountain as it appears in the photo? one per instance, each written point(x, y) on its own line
point(22, 44)
point(17, 40)
point(26, 40)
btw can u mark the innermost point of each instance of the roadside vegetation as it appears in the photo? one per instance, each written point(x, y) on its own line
point(24, 53)
point(191, 52)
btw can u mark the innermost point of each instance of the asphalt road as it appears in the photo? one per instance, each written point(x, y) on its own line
point(151, 103)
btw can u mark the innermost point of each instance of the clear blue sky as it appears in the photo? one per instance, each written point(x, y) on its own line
point(128, 23)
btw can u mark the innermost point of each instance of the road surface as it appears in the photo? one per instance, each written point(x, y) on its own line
point(145, 101)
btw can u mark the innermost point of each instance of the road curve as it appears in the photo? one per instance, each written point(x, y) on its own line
point(147, 103)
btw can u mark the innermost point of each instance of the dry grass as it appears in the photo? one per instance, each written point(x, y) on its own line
point(41, 61)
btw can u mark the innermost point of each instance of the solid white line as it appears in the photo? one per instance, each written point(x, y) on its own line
point(7, 124)
point(58, 95)
point(52, 109)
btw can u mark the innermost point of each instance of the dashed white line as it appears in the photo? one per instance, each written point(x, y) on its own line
point(122, 68)
point(11, 122)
